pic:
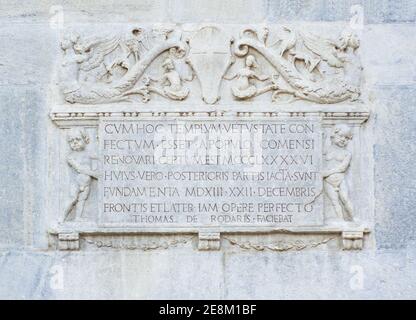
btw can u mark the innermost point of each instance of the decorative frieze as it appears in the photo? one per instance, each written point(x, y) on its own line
point(301, 65)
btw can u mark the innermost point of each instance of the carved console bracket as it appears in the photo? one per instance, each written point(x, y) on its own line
point(209, 241)
point(68, 241)
point(352, 240)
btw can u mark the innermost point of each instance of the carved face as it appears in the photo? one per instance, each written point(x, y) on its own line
point(251, 61)
point(77, 140)
point(341, 135)
point(76, 143)
point(354, 41)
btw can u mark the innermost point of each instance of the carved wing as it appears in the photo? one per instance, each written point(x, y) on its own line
point(289, 42)
point(323, 48)
point(98, 51)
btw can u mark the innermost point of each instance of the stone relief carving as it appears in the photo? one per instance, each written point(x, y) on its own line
point(244, 87)
point(282, 245)
point(307, 67)
point(337, 161)
point(170, 85)
point(79, 159)
point(209, 57)
point(133, 243)
point(296, 66)
point(101, 70)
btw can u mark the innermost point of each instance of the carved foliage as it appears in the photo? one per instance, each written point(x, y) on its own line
point(109, 69)
point(307, 67)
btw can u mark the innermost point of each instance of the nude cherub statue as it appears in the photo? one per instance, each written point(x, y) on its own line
point(171, 82)
point(71, 63)
point(244, 87)
point(79, 160)
point(346, 49)
point(337, 159)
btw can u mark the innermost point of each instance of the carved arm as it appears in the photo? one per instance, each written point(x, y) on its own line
point(339, 169)
point(82, 169)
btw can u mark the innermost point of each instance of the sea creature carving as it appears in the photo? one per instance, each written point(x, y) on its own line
point(308, 67)
point(89, 75)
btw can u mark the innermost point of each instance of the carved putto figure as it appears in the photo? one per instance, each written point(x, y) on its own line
point(338, 160)
point(172, 82)
point(79, 159)
point(245, 87)
point(169, 85)
point(70, 64)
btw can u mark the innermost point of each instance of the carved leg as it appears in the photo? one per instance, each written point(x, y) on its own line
point(74, 199)
point(69, 208)
point(343, 195)
point(333, 196)
point(82, 198)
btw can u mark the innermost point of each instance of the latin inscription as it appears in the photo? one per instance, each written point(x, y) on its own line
point(211, 172)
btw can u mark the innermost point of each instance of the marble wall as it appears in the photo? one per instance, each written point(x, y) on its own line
point(30, 34)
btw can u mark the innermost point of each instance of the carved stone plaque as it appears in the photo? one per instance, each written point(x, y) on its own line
point(211, 172)
point(261, 132)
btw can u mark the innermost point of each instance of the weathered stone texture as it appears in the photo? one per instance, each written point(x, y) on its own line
point(27, 270)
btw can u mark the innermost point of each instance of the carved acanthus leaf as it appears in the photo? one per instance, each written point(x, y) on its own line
point(134, 244)
point(307, 67)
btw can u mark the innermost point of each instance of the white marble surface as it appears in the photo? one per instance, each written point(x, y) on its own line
point(174, 268)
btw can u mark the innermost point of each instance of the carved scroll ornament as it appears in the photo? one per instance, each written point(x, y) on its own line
point(306, 67)
point(101, 70)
